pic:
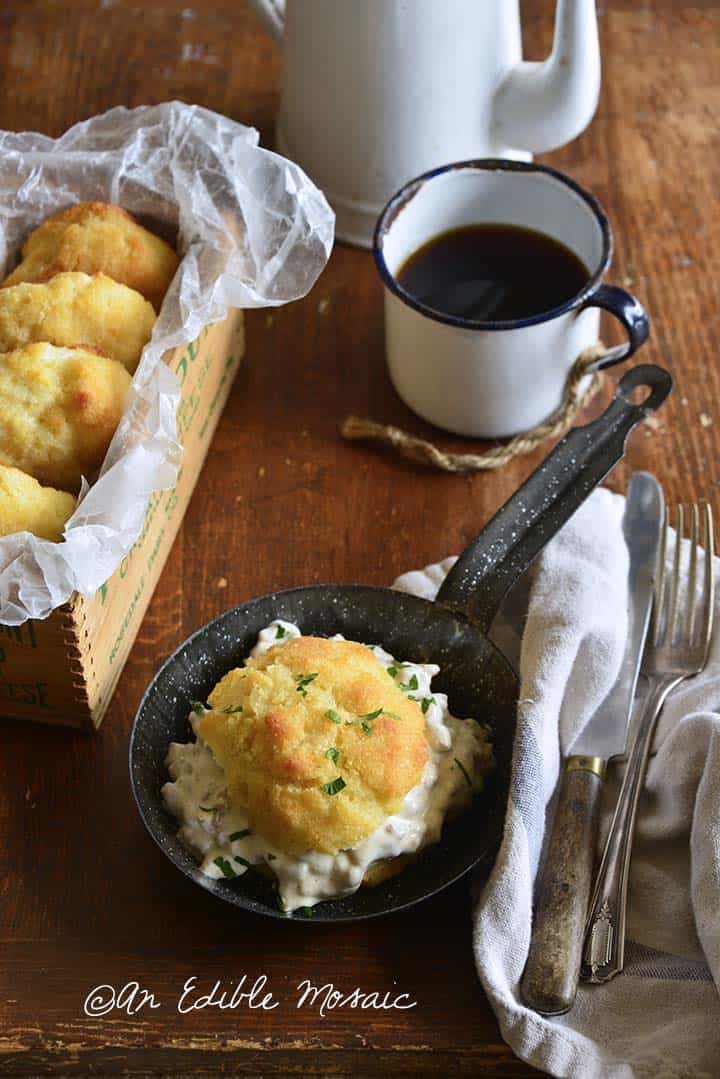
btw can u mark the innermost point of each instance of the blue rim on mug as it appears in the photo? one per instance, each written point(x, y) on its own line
point(619, 303)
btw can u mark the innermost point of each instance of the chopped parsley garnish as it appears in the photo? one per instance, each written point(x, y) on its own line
point(424, 703)
point(332, 754)
point(227, 869)
point(371, 715)
point(198, 707)
point(241, 861)
point(234, 836)
point(412, 684)
point(232, 711)
point(331, 714)
point(304, 680)
point(207, 809)
point(394, 669)
point(335, 787)
point(463, 769)
point(280, 632)
point(366, 718)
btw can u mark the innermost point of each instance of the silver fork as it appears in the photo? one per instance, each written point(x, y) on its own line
point(677, 648)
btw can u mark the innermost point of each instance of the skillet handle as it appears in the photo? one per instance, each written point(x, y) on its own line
point(520, 529)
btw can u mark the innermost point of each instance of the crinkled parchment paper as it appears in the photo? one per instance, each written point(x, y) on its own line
point(253, 231)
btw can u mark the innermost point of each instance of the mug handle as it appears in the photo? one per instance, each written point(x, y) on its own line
point(630, 312)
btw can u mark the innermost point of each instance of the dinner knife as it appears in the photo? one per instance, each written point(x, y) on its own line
point(550, 979)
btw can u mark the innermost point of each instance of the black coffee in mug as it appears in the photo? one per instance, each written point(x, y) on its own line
point(492, 273)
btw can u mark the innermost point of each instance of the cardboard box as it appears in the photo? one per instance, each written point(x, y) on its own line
point(64, 669)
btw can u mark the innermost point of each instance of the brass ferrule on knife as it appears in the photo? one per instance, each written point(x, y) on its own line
point(586, 764)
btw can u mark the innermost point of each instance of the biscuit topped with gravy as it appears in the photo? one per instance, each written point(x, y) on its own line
point(324, 763)
point(317, 742)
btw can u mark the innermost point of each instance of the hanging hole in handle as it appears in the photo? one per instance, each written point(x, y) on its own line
point(639, 394)
point(653, 383)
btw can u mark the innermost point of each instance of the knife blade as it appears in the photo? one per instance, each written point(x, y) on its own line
point(605, 735)
point(550, 978)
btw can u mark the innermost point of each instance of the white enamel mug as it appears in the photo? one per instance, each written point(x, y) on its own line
point(495, 379)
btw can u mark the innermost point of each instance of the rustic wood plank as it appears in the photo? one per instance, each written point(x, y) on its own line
point(86, 897)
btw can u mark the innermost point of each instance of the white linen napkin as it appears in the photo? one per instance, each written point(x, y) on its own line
point(661, 1017)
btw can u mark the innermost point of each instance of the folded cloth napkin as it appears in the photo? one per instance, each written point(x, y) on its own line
point(661, 1017)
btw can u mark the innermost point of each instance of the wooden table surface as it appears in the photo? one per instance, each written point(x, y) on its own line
point(86, 897)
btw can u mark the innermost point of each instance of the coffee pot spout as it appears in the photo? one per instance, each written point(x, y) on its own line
point(540, 106)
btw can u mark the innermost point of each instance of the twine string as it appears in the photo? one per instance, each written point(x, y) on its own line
point(423, 452)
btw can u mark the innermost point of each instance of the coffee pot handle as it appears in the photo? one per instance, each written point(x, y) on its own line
point(542, 105)
point(272, 14)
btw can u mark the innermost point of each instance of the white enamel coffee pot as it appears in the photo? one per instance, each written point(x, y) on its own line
point(377, 91)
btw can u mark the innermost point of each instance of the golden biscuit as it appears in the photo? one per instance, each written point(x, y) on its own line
point(74, 309)
point(95, 237)
point(25, 506)
point(59, 408)
point(317, 742)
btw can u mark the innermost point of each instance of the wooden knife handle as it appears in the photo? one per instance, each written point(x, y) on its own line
point(550, 979)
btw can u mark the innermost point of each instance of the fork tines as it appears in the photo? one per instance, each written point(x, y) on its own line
point(678, 618)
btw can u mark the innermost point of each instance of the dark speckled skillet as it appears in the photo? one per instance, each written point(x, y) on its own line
point(451, 632)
